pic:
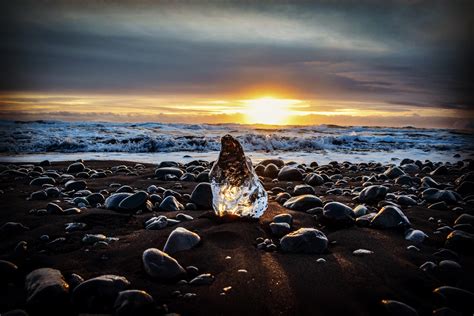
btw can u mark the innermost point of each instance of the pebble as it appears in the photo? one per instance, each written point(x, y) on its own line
point(134, 302)
point(202, 279)
point(390, 217)
point(338, 213)
point(305, 240)
point(159, 264)
point(303, 202)
point(303, 189)
point(47, 288)
point(433, 195)
point(170, 204)
point(362, 252)
point(280, 229)
point(75, 167)
point(97, 295)
point(181, 239)
point(396, 308)
point(165, 172)
point(415, 236)
point(360, 210)
point(459, 299)
point(202, 196)
point(43, 180)
point(290, 173)
point(373, 193)
point(8, 272)
point(133, 202)
point(460, 241)
point(157, 222)
point(321, 260)
point(283, 218)
point(413, 248)
point(75, 185)
point(113, 201)
point(70, 227)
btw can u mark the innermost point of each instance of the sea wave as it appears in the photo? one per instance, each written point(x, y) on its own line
point(71, 137)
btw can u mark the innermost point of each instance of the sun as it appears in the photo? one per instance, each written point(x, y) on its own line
point(267, 110)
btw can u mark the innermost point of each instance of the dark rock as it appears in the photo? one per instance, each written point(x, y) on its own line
point(460, 241)
point(47, 288)
point(280, 229)
point(303, 202)
point(53, 208)
point(160, 265)
point(289, 173)
point(75, 185)
point(305, 240)
point(313, 179)
point(43, 180)
point(95, 198)
point(373, 193)
point(338, 213)
point(394, 172)
point(99, 294)
point(202, 196)
point(302, 189)
point(75, 167)
point(433, 195)
point(277, 162)
point(161, 173)
point(38, 195)
point(456, 298)
point(390, 217)
point(133, 202)
point(170, 204)
point(283, 218)
point(11, 228)
point(395, 308)
point(8, 272)
point(271, 171)
point(134, 302)
point(113, 201)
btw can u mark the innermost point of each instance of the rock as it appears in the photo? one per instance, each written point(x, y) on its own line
point(456, 298)
point(373, 193)
point(74, 280)
point(394, 172)
point(390, 217)
point(202, 279)
point(134, 302)
point(365, 220)
point(450, 270)
point(283, 218)
point(441, 170)
point(302, 189)
point(8, 272)
point(159, 264)
point(15, 312)
point(99, 294)
point(161, 173)
point(75, 185)
point(429, 267)
point(95, 198)
point(236, 189)
point(305, 240)
point(445, 311)
point(427, 182)
point(47, 288)
point(113, 201)
point(11, 228)
point(442, 206)
point(70, 227)
point(181, 239)
point(465, 188)
point(464, 219)
point(403, 180)
point(338, 213)
point(313, 179)
point(396, 308)
point(277, 162)
point(202, 196)
point(133, 202)
point(303, 202)
point(165, 164)
point(416, 236)
point(411, 168)
point(362, 252)
point(75, 167)
point(43, 180)
point(38, 195)
point(72, 211)
point(289, 173)
point(271, 171)
point(124, 189)
point(156, 223)
point(282, 197)
point(405, 200)
point(170, 204)
point(203, 177)
point(188, 177)
point(460, 241)
point(280, 229)
point(183, 217)
point(433, 195)
point(360, 210)
point(53, 208)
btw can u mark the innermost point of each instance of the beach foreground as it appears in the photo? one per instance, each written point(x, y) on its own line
point(249, 271)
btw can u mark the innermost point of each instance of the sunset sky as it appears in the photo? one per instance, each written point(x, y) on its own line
point(392, 63)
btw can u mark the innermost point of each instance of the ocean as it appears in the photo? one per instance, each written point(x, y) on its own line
point(155, 142)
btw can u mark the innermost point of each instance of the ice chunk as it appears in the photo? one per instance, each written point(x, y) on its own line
point(236, 189)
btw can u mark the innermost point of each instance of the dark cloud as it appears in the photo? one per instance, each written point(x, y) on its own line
point(399, 52)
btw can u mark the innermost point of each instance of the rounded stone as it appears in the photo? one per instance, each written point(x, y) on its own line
point(181, 239)
point(159, 264)
point(170, 204)
point(133, 202)
point(390, 217)
point(202, 196)
point(289, 173)
point(134, 302)
point(303, 202)
point(305, 240)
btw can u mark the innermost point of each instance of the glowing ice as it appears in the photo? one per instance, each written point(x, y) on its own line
point(235, 187)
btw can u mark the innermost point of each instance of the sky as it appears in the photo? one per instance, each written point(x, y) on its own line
point(386, 63)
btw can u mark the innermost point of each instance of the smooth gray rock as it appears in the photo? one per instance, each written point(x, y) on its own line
point(271, 171)
point(75, 167)
point(280, 229)
point(113, 201)
point(170, 204)
point(394, 172)
point(181, 239)
point(433, 195)
point(160, 265)
point(305, 240)
point(373, 193)
point(313, 179)
point(133, 202)
point(360, 210)
point(161, 173)
point(202, 279)
point(390, 217)
point(416, 236)
point(290, 173)
point(302, 189)
point(75, 185)
point(337, 212)
point(303, 202)
point(283, 218)
point(42, 180)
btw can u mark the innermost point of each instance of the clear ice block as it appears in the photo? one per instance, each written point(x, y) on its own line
point(236, 189)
